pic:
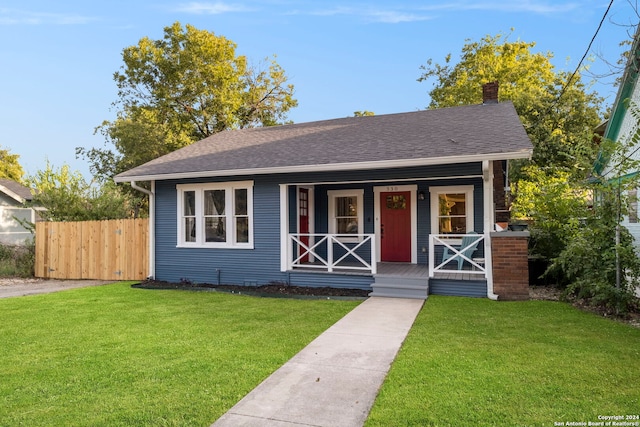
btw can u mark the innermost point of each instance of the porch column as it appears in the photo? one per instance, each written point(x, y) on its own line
point(284, 227)
point(511, 266)
point(488, 221)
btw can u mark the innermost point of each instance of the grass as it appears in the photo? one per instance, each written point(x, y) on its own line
point(483, 363)
point(117, 356)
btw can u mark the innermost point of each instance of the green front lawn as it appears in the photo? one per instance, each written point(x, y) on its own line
point(475, 362)
point(117, 356)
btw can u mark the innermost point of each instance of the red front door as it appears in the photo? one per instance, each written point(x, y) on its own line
point(395, 226)
point(303, 211)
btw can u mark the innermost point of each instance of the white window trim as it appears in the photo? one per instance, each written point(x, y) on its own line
point(436, 191)
point(199, 189)
point(359, 194)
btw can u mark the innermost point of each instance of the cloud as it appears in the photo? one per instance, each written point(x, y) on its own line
point(22, 17)
point(395, 17)
point(402, 13)
point(525, 6)
point(217, 8)
point(386, 16)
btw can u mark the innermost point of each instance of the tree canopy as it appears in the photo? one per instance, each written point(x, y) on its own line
point(182, 88)
point(556, 108)
point(67, 196)
point(579, 237)
point(9, 166)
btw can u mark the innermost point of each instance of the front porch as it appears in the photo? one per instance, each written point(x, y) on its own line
point(450, 256)
point(321, 253)
point(404, 234)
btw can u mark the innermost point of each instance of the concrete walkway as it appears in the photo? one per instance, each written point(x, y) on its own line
point(335, 379)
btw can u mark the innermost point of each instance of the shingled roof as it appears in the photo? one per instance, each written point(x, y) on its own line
point(444, 136)
point(15, 190)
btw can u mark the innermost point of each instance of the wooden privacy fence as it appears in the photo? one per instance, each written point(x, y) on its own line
point(105, 250)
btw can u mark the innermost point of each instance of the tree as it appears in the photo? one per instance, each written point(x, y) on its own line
point(590, 252)
point(554, 204)
point(364, 113)
point(557, 111)
point(182, 88)
point(599, 260)
point(66, 196)
point(9, 166)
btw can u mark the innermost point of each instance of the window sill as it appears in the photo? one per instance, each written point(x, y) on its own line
point(349, 239)
point(214, 246)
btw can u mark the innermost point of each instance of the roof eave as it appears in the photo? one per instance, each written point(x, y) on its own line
point(12, 194)
point(332, 167)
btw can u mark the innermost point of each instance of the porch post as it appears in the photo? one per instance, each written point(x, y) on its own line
point(285, 256)
point(488, 215)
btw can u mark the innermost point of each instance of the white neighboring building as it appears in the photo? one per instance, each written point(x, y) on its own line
point(13, 197)
point(620, 127)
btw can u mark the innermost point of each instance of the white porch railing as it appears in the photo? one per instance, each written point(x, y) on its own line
point(332, 251)
point(456, 252)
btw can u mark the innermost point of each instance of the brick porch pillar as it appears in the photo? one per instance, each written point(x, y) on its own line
point(509, 256)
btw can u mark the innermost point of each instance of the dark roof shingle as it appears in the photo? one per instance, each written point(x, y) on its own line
point(453, 134)
point(16, 188)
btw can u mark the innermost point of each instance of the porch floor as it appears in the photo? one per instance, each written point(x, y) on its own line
point(460, 275)
point(401, 269)
point(422, 271)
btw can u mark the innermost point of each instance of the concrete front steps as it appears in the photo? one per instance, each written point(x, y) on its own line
point(400, 287)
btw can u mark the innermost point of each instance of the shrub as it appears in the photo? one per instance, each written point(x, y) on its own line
point(603, 270)
point(17, 260)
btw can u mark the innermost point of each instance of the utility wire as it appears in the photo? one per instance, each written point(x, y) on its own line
point(568, 82)
point(606, 12)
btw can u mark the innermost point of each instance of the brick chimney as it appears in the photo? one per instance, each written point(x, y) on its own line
point(490, 93)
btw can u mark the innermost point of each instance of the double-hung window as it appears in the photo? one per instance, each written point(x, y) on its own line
point(217, 215)
point(452, 209)
point(346, 212)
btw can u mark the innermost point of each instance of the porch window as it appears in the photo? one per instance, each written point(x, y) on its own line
point(215, 215)
point(452, 209)
point(346, 212)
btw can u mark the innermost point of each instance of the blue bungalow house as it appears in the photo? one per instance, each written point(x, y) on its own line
point(402, 204)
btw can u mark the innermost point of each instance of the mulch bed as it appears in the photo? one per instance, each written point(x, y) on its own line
point(551, 293)
point(272, 289)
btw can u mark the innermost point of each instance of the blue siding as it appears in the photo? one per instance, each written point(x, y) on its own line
point(261, 265)
point(458, 288)
point(343, 281)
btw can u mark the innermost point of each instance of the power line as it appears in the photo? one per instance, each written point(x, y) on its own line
point(566, 85)
point(568, 82)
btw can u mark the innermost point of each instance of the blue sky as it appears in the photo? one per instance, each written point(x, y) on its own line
point(57, 59)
